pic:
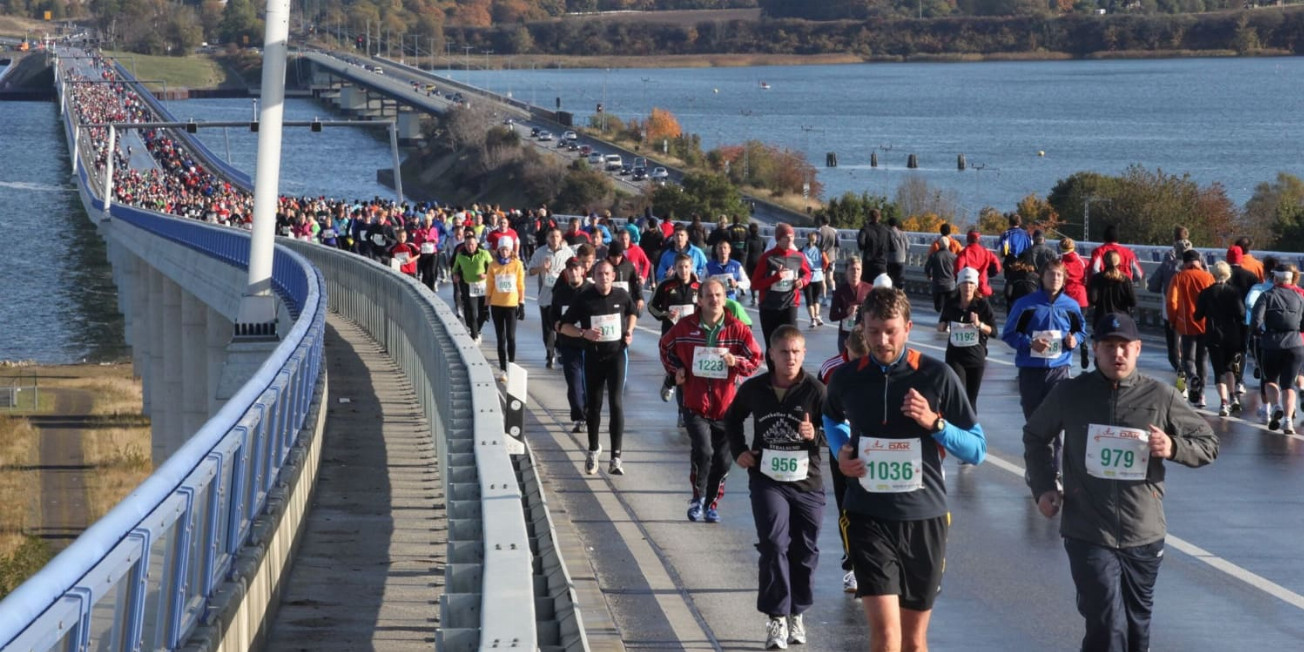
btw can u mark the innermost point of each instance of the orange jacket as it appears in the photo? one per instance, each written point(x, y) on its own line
point(954, 246)
point(1252, 265)
point(1182, 292)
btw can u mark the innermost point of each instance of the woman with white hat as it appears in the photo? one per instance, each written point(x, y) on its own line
point(506, 299)
point(969, 319)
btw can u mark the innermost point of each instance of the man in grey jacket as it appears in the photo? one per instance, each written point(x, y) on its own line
point(1119, 426)
point(1158, 283)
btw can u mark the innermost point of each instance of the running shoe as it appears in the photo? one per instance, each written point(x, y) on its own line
point(1224, 410)
point(1236, 406)
point(712, 516)
point(667, 393)
point(580, 426)
point(1275, 422)
point(796, 630)
point(591, 461)
point(549, 363)
point(614, 468)
point(849, 583)
point(1288, 428)
point(695, 510)
point(1240, 388)
point(776, 634)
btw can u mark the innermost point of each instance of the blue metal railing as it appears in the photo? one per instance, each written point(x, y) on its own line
point(143, 576)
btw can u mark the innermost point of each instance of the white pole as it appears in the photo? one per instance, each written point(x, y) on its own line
point(257, 305)
point(393, 149)
point(76, 142)
point(108, 171)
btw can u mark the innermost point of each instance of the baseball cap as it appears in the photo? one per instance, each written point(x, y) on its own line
point(1234, 255)
point(968, 275)
point(974, 236)
point(1116, 325)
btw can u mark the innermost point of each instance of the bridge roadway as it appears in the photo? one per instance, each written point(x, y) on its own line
point(656, 581)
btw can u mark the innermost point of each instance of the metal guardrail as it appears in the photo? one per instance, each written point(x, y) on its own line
point(489, 599)
point(144, 575)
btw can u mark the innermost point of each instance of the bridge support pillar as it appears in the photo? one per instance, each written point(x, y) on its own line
point(194, 364)
point(166, 422)
point(155, 374)
point(218, 331)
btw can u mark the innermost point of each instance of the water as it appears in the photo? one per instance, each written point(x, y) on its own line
point(60, 303)
point(1224, 120)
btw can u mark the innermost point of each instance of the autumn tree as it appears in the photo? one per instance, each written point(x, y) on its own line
point(1145, 205)
point(926, 223)
point(1277, 211)
point(1037, 213)
point(849, 210)
point(915, 196)
point(701, 194)
point(662, 124)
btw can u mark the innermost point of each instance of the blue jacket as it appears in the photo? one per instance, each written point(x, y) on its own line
point(668, 261)
point(731, 268)
point(1036, 312)
point(1014, 242)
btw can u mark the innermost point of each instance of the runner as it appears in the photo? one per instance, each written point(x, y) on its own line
point(675, 299)
point(506, 300)
point(708, 353)
point(574, 280)
point(722, 267)
point(845, 308)
point(1278, 318)
point(787, 489)
point(1252, 345)
point(548, 263)
point(605, 317)
point(897, 518)
point(779, 276)
point(853, 349)
point(1043, 328)
point(1186, 285)
point(404, 255)
point(1119, 426)
point(680, 245)
point(1222, 308)
point(969, 320)
point(469, 269)
point(814, 290)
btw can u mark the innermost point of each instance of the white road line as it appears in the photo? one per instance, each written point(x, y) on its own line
point(1182, 545)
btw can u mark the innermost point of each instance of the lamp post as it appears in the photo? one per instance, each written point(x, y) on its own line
point(486, 68)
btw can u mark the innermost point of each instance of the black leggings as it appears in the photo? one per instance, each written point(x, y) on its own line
point(972, 379)
point(505, 333)
point(605, 374)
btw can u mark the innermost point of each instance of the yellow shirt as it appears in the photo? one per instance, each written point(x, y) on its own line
point(506, 283)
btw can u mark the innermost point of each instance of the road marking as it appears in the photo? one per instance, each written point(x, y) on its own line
point(1182, 545)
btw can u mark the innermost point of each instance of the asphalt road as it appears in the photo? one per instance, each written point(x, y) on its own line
point(1230, 579)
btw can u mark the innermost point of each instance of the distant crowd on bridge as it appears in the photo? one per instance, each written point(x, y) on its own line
point(884, 414)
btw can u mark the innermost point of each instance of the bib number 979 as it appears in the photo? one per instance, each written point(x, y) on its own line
point(1117, 458)
point(885, 470)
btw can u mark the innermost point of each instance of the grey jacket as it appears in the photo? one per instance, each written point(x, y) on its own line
point(1278, 318)
point(1112, 513)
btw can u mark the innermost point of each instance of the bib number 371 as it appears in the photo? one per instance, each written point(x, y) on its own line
point(892, 465)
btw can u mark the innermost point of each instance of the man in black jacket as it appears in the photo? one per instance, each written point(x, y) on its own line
point(873, 240)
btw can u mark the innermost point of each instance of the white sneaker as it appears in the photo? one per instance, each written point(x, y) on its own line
point(776, 634)
point(591, 461)
point(615, 468)
point(849, 582)
point(796, 630)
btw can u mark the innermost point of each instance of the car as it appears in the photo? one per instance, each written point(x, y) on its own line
point(612, 162)
point(562, 144)
point(585, 150)
point(659, 173)
point(378, 70)
point(595, 159)
point(545, 135)
point(638, 174)
point(626, 169)
point(508, 122)
point(571, 145)
point(570, 135)
point(534, 132)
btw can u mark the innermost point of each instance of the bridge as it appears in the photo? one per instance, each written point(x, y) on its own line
point(208, 550)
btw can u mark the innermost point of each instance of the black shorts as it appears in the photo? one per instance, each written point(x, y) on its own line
point(901, 558)
point(1281, 366)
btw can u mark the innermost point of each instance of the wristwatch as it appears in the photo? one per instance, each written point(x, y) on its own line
point(940, 425)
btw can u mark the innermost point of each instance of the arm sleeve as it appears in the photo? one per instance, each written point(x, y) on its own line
point(748, 354)
point(520, 284)
point(969, 445)
point(734, 419)
point(1013, 333)
point(838, 433)
point(1194, 443)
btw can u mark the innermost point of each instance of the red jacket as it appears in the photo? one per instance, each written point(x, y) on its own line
point(1126, 259)
point(1075, 277)
point(980, 258)
point(709, 397)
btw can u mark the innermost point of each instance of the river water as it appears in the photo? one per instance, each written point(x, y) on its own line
point(1227, 120)
point(1233, 121)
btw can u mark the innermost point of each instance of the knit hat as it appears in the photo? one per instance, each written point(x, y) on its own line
point(506, 242)
point(1235, 255)
point(882, 281)
point(968, 275)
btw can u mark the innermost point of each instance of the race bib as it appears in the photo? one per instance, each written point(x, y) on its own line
point(608, 327)
point(328, 233)
point(427, 247)
point(892, 466)
point(1056, 344)
point(817, 275)
point(402, 257)
point(476, 289)
point(684, 311)
point(708, 362)
point(1117, 453)
point(378, 239)
point(785, 281)
point(395, 264)
point(785, 466)
point(964, 335)
point(727, 279)
point(624, 285)
point(848, 324)
point(504, 283)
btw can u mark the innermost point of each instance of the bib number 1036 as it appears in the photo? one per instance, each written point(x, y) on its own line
point(892, 465)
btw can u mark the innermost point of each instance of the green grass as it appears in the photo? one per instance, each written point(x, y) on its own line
point(31, 555)
point(194, 71)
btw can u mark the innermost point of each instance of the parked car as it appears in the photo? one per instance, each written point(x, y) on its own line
point(659, 173)
point(612, 162)
point(545, 135)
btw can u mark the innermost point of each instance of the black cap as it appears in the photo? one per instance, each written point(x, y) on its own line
point(616, 248)
point(1116, 325)
point(1190, 255)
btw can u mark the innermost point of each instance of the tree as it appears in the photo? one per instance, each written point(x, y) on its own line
point(1144, 206)
point(662, 124)
point(1037, 213)
point(240, 23)
point(702, 193)
point(584, 190)
point(1277, 211)
point(914, 196)
point(850, 210)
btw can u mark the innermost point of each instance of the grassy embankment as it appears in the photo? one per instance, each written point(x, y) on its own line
point(115, 449)
point(18, 27)
point(193, 71)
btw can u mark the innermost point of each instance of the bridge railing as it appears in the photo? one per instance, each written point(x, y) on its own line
point(489, 599)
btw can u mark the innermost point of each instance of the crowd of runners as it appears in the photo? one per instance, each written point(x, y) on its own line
point(880, 417)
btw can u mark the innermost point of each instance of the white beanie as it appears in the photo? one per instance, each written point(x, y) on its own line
point(506, 241)
point(968, 275)
point(882, 281)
